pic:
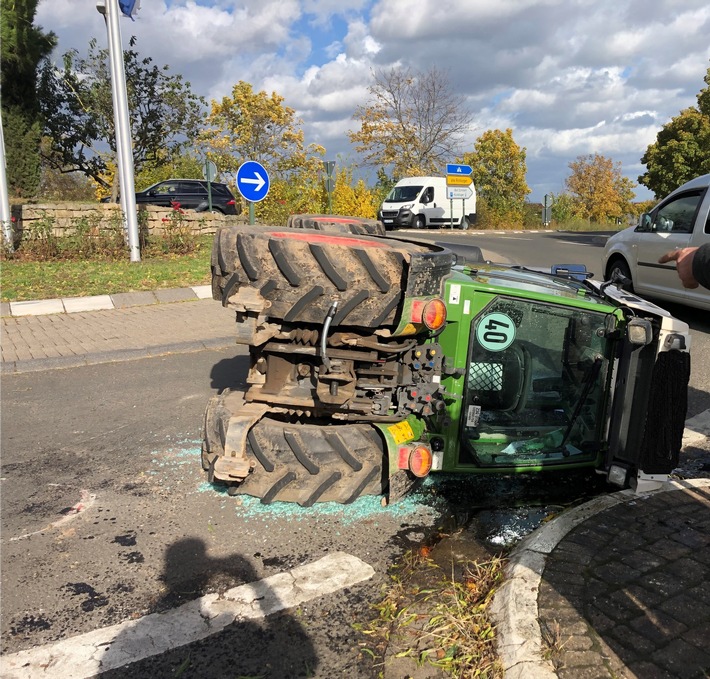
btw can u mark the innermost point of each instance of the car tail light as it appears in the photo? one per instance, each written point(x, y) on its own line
point(231, 202)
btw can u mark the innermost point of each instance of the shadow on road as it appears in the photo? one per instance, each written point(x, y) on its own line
point(594, 238)
point(273, 647)
point(229, 372)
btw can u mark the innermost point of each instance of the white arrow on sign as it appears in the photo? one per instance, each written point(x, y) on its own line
point(259, 181)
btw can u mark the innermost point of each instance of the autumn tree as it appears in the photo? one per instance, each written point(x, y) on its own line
point(78, 109)
point(413, 122)
point(22, 47)
point(383, 185)
point(682, 148)
point(352, 197)
point(564, 207)
point(259, 126)
point(499, 171)
point(254, 126)
point(599, 189)
point(301, 191)
point(56, 185)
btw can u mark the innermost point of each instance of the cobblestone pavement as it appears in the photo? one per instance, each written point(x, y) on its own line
point(617, 588)
point(627, 593)
point(65, 340)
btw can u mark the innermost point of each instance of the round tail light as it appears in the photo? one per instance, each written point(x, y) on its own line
point(420, 461)
point(434, 314)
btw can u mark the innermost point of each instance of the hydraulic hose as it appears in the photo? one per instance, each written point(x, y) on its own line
point(324, 335)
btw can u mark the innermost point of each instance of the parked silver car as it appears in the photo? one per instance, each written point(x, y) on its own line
point(679, 221)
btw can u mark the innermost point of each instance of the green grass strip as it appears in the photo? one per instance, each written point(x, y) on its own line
point(27, 280)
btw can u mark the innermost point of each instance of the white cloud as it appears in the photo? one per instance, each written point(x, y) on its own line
point(359, 42)
point(426, 19)
point(322, 11)
point(570, 77)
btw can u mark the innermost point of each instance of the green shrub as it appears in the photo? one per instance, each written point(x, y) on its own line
point(91, 238)
point(97, 238)
point(39, 240)
point(178, 238)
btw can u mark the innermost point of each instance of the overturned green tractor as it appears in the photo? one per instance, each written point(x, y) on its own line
point(375, 361)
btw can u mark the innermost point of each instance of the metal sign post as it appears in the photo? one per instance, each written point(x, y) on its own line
point(547, 210)
point(124, 154)
point(5, 215)
point(458, 193)
point(329, 166)
point(458, 179)
point(209, 172)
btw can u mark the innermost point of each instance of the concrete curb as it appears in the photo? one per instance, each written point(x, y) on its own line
point(121, 300)
point(514, 608)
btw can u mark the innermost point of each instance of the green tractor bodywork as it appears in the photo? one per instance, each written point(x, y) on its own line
point(547, 369)
point(530, 372)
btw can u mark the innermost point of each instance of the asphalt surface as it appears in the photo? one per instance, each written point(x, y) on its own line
point(618, 587)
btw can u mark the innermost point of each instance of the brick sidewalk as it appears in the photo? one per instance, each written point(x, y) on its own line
point(70, 339)
point(616, 588)
point(627, 593)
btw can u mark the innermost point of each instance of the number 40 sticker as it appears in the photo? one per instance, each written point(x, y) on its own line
point(495, 332)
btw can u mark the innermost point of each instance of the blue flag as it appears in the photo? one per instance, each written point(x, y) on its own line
point(129, 7)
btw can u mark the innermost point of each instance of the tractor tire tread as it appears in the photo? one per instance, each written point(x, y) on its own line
point(301, 275)
point(361, 226)
point(302, 463)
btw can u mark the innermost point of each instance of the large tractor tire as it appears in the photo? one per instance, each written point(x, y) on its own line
point(302, 463)
point(335, 223)
point(300, 273)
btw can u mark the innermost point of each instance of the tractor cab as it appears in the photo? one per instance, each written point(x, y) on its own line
point(535, 384)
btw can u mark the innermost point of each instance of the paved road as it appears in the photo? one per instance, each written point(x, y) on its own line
point(106, 517)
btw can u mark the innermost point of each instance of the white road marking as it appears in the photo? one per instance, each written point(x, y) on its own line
point(697, 428)
point(87, 499)
point(110, 647)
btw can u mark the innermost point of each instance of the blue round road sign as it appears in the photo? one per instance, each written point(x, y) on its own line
point(253, 181)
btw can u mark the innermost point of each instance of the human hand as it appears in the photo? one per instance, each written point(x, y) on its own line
point(683, 259)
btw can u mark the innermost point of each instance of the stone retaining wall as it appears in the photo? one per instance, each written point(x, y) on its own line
point(64, 217)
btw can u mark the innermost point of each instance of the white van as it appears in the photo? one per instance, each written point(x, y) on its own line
point(420, 202)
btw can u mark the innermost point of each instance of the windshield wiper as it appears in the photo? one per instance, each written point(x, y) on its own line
point(589, 379)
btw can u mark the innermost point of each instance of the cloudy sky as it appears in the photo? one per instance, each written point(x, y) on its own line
point(570, 77)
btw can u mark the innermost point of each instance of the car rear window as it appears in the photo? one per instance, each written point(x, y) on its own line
point(221, 188)
point(191, 187)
